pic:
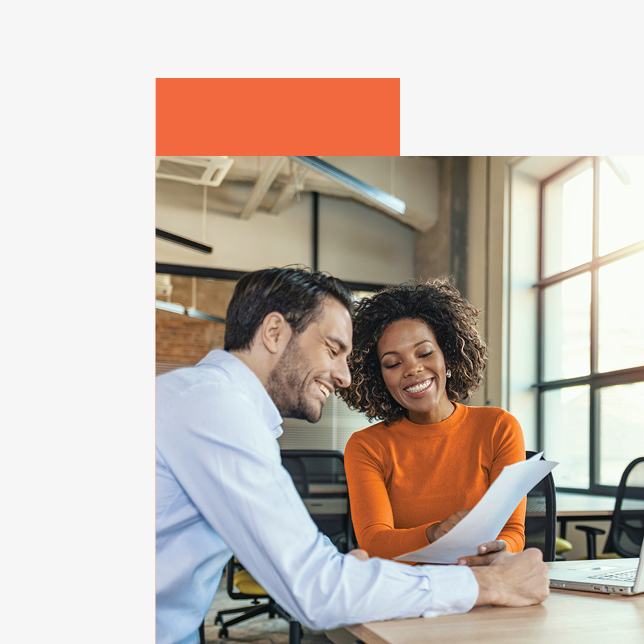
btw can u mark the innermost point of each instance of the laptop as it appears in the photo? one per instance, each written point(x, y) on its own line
point(610, 576)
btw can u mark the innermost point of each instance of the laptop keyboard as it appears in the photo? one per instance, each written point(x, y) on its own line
point(627, 575)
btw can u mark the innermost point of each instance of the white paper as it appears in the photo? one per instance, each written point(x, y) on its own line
point(487, 518)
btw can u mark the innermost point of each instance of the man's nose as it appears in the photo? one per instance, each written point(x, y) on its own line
point(342, 375)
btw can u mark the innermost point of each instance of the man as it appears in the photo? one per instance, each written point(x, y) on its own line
point(221, 487)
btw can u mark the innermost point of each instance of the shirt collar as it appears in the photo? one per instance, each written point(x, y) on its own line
point(246, 379)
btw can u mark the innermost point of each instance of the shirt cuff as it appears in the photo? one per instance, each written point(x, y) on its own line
point(454, 590)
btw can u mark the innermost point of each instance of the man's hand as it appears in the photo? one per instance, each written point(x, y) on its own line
point(513, 580)
point(437, 530)
point(488, 552)
point(359, 554)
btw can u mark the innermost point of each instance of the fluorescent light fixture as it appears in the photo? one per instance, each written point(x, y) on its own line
point(193, 313)
point(380, 198)
point(169, 306)
point(183, 241)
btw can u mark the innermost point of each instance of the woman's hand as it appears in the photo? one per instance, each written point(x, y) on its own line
point(488, 552)
point(437, 530)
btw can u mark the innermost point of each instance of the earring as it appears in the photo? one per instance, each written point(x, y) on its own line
point(449, 373)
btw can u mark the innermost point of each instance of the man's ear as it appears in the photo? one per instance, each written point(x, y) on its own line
point(275, 332)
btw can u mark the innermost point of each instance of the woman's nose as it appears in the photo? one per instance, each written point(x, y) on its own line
point(413, 368)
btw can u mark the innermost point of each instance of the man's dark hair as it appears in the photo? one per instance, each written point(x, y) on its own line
point(296, 293)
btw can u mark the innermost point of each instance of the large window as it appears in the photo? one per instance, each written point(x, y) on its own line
point(591, 315)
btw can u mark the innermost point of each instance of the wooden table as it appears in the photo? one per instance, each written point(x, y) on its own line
point(566, 617)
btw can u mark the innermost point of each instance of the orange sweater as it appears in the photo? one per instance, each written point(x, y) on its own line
point(405, 477)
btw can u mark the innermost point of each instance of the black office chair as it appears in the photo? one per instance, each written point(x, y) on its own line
point(627, 523)
point(321, 482)
point(541, 516)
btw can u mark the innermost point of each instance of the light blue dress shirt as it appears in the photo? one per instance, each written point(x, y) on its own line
point(221, 488)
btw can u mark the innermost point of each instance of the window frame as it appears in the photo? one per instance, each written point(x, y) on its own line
point(595, 379)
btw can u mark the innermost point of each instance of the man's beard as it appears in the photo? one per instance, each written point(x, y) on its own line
point(285, 386)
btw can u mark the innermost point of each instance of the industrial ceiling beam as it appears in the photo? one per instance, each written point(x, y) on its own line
point(261, 187)
point(294, 184)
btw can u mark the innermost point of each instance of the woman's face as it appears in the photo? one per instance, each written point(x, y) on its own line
point(414, 371)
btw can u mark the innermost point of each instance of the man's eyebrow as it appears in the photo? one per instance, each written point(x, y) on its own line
point(398, 352)
point(341, 345)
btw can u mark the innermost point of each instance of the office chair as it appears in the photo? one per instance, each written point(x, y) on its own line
point(320, 480)
point(541, 516)
point(627, 523)
point(248, 588)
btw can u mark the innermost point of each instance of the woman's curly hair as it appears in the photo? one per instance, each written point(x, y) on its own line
point(452, 319)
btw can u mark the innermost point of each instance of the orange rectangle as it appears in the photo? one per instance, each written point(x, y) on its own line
point(285, 116)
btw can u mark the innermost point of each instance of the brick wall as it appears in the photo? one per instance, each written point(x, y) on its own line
point(184, 340)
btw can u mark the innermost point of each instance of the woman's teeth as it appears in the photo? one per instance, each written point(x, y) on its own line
point(421, 386)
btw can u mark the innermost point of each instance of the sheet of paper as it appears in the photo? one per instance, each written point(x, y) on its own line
point(487, 518)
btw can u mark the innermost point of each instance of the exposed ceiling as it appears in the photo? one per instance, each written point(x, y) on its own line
point(411, 177)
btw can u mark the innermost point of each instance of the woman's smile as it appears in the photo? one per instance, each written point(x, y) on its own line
point(413, 368)
point(418, 389)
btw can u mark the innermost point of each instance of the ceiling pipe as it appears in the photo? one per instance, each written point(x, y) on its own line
point(374, 196)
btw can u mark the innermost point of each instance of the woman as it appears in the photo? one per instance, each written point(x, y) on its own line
point(412, 477)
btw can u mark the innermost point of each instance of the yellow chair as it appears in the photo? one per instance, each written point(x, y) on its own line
point(562, 545)
point(243, 580)
point(247, 588)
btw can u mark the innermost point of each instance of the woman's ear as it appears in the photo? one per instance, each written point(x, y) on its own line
point(275, 332)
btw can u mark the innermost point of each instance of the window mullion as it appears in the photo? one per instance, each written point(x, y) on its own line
point(541, 439)
point(594, 334)
point(594, 275)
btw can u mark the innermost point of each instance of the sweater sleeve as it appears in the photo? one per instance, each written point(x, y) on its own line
point(370, 506)
point(509, 448)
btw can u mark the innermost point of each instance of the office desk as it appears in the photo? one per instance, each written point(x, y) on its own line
point(566, 617)
point(582, 507)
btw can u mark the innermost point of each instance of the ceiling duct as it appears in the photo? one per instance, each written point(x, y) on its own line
point(360, 189)
point(199, 171)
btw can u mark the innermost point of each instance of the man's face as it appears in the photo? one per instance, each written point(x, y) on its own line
point(313, 365)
